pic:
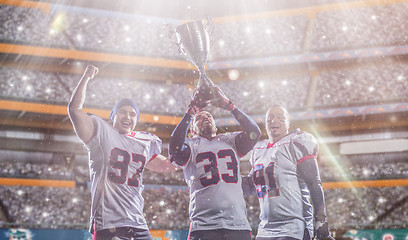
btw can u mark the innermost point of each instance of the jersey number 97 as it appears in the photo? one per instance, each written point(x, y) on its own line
point(123, 166)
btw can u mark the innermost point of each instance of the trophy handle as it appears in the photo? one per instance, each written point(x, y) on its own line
point(172, 33)
point(209, 27)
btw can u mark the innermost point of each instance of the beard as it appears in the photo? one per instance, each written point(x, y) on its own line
point(206, 130)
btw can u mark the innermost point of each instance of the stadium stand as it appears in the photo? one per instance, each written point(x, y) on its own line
point(380, 80)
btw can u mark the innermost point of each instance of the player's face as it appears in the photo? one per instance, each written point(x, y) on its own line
point(125, 119)
point(204, 124)
point(277, 123)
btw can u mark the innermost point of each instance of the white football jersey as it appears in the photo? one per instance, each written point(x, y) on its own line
point(274, 171)
point(213, 174)
point(116, 163)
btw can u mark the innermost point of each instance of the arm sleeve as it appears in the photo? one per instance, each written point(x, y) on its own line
point(309, 172)
point(247, 139)
point(155, 147)
point(248, 185)
point(179, 151)
point(306, 148)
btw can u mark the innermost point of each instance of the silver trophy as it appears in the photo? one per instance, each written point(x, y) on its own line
point(193, 41)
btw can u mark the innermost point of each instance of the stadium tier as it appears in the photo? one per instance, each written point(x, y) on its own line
point(321, 62)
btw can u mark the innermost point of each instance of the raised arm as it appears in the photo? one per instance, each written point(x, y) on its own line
point(179, 151)
point(82, 122)
point(247, 139)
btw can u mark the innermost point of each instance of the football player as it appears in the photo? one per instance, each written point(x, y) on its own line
point(211, 165)
point(282, 167)
point(117, 158)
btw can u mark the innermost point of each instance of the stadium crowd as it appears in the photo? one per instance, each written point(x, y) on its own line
point(166, 197)
point(356, 85)
point(98, 30)
point(354, 27)
point(167, 207)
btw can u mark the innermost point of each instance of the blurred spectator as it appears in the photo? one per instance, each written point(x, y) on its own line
point(167, 208)
point(359, 84)
point(362, 27)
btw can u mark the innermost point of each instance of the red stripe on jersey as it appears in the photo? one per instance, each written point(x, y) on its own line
point(305, 158)
point(270, 145)
point(155, 155)
point(240, 154)
point(132, 134)
point(189, 231)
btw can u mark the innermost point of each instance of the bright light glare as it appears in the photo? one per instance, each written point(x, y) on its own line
point(233, 74)
point(221, 43)
point(366, 172)
point(28, 209)
point(58, 25)
point(382, 200)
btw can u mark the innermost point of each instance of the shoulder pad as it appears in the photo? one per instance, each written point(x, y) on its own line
point(145, 135)
point(301, 136)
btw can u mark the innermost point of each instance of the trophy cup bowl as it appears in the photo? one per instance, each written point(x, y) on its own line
point(193, 41)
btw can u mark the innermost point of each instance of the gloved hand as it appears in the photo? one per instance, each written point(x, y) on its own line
point(222, 101)
point(322, 231)
point(196, 104)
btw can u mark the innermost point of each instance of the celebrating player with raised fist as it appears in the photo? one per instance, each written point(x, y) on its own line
point(286, 175)
point(117, 158)
point(211, 166)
